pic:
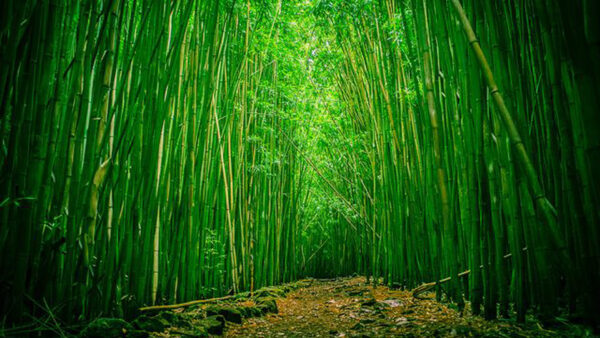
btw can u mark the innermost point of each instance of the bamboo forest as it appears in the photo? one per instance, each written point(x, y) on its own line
point(299, 168)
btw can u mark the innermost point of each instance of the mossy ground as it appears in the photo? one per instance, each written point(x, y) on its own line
point(344, 307)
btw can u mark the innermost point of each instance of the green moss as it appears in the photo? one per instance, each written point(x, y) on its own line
point(106, 327)
point(267, 305)
point(196, 332)
point(273, 292)
point(152, 324)
point(230, 313)
point(251, 311)
point(213, 324)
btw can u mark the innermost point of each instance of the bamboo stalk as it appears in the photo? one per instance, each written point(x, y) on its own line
point(186, 304)
point(416, 292)
point(546, 209)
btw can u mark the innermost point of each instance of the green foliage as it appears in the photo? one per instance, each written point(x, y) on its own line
point(159, 152)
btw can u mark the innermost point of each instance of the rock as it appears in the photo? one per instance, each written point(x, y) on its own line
point(181, 320)
point(251, 311)
point(151, 324)
point(392, 302)
point(230, 313)
point(401, 321)
point(106, 327)
point(269, 292)
point(213, 324)
point(267, 305)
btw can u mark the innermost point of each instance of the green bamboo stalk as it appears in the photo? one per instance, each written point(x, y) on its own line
point(545, 208)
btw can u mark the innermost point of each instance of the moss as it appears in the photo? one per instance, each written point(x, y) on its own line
point(168, 316)
point(272, 292)
point(267, 305)
point(137, 334)
point(230, 313)
point(213, 324)
point(152, 324)
point(196, 332)
point(242, 295)
point(106, 327)
point(251, 311)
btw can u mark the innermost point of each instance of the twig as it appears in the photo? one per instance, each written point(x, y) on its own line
point(50, 317)
point(62, 333)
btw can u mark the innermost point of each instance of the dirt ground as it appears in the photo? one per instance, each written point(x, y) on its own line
point(351, 308)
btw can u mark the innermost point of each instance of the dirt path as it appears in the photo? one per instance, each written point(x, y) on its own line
point(344, 307)
point(351, 308)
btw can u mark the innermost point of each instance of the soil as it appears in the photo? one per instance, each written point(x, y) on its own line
point(352, 308)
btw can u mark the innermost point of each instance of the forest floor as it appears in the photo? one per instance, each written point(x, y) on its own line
point(342, 307)
point(352, 308)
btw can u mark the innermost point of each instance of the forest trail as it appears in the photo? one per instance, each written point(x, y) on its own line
point(341, 307)
point(350, 307)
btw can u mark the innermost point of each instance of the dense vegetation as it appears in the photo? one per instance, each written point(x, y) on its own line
point(162, 151)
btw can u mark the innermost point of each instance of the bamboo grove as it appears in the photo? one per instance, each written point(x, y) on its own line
point(468, 171)
point(143, 164)
point(156, 152)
